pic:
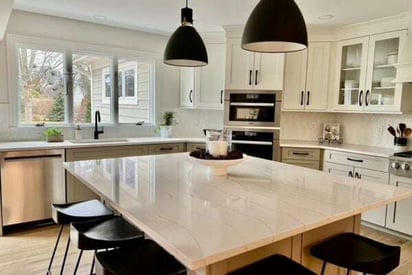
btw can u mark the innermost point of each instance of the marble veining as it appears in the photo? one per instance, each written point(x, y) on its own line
point(202, 219)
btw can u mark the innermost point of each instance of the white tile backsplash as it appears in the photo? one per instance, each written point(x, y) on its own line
point(362, 129)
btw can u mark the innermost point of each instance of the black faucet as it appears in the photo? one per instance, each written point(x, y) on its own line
point(96, 127)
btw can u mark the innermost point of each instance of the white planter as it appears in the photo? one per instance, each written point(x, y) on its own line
point(166, 131)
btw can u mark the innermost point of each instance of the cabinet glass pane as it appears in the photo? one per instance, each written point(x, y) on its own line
point(384, 72)
point(350, 74)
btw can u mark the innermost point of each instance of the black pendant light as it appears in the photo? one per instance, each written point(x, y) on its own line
point(275, 26)
point(185, 47)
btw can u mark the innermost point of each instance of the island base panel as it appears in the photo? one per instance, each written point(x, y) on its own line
point(296, 247)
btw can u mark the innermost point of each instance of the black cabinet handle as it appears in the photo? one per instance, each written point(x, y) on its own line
point(190, 96)
point(360, 98)
point(367, 98)
point(256, 77)
point(166, 148)
point(300, 153)
point(355, 160)
point(394, 212)
point(250, 77)
point(301, 97)
point(308, 98)
point(221, 96)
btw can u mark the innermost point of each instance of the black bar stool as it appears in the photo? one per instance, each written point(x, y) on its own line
point(103, 233)
point(275, 264)
point(358, 253)
point(75, 212)
point(147, 258)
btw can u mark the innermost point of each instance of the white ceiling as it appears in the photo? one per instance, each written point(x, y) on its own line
point(163, 16)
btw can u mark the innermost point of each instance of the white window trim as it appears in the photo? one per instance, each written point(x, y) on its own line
point(124, 100)
point(14, 41)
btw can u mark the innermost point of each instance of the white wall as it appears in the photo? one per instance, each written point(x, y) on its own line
point(31, 24)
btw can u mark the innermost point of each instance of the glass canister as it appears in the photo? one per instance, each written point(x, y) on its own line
point(218, 142)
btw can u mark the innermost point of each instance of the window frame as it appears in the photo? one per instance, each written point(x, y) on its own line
point(14, 42)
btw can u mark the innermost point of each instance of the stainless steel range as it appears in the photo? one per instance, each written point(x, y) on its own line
point(400, 164)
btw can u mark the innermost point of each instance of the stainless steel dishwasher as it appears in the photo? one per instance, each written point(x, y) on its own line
point(30, 182)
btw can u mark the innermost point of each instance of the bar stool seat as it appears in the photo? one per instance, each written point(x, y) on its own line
point(275, 264)
point(358, 253)
point(147, 258)
point(75, 212)
point(111, 232)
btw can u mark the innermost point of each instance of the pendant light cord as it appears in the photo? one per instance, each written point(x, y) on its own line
point(186, 3)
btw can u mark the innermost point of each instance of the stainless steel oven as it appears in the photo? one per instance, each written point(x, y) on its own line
point(261, 143)
point(252, 108)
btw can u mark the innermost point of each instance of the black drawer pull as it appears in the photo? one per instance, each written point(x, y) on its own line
point(300, 154)
point(166, 148)
point(355, 160)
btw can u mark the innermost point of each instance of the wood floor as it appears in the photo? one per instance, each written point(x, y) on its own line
point(28, 252)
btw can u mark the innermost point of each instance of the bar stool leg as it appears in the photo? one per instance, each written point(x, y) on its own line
point(54, 250)
point(348, 272)
point(323, 268)
point(94, 258)
point(65, 256)
point(78, 262)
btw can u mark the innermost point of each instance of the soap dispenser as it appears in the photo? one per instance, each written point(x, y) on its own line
point(78, 132)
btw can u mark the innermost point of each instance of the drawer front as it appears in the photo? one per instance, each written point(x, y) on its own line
point(195, 146)
point(156, 149)
point(105, 152)
point(300, 153)
point(312, 164)
point(357, 160)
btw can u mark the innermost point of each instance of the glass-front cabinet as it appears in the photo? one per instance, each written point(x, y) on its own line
point(366, 68)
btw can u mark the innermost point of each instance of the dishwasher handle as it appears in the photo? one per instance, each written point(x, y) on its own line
point(32, 158)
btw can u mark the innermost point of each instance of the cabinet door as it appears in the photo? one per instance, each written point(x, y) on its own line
point(239, 66)
point(338, 169)
point(352, 64)
point(268, 71)
point(212, 78)
point(317, 76)
point(377, 216)
point(399, 213)
point(295, 81)
point(381, 93)
point(187, 87)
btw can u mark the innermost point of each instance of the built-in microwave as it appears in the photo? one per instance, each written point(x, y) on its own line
point(252, 108)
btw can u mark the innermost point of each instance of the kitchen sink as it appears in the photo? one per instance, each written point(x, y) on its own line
point(106, 140)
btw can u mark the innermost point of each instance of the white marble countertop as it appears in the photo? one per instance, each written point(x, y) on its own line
point(350, 148)
point(202, 219)
point(42, 145)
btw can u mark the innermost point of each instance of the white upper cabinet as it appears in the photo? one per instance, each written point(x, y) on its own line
point(203, 87)
point(366, 69)
point(247, 70)
point(307, 78)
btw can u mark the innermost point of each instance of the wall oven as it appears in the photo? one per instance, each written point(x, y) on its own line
point(261, 143)
point(252, 108)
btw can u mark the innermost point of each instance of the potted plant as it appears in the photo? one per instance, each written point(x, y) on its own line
point(166, 127)
point(54, 135)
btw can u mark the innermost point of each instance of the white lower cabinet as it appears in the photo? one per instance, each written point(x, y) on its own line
point(399, 213)
point(363, 167)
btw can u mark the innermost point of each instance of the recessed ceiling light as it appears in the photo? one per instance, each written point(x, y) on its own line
point(326, 17)
point(100, 17)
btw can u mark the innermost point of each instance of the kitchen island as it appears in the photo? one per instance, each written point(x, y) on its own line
point(215, 224)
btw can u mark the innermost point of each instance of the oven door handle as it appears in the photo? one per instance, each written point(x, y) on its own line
point(252, 142)
point(252, 104)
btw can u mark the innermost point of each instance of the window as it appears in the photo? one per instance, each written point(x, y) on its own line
point(64, 83)
point(40, 86)
point(127, 83)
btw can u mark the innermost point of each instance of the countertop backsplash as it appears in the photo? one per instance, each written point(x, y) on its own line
point(362, 129)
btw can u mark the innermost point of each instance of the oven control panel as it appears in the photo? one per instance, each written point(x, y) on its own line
point(400, 167)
